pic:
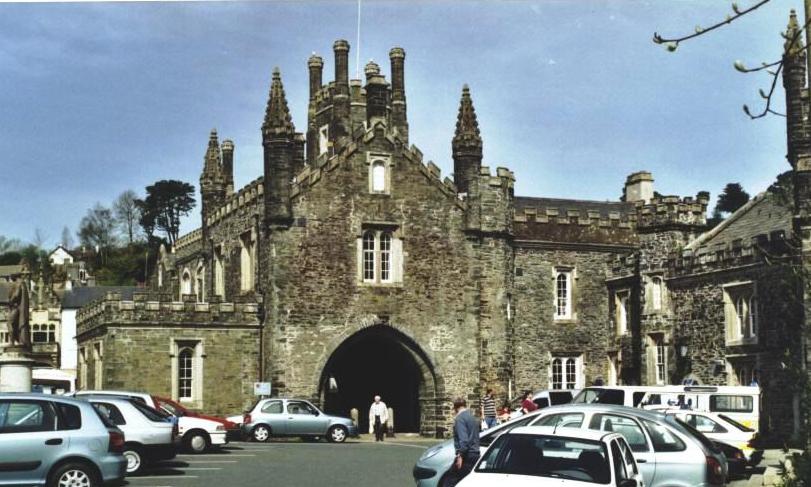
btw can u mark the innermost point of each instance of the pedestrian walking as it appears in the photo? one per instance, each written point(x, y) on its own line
point(465, 441)
point(489, 412)
point(378, 416)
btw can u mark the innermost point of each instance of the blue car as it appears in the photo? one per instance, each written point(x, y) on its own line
point(54, 441)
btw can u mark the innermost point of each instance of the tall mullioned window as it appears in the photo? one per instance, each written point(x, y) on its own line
point(185, 370)
point(741, 312)
point(565, 373)
point(369, 257)
point(43, 333)
point(661, 361)
point(563, 294)
point(380, 257)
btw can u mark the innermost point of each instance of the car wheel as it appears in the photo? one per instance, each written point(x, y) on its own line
point(337, 434)
point(74, 474)
point(135, 459)
point(197, 442)
point(261, 433)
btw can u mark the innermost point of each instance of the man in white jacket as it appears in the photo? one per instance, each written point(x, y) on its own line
point(378, 416)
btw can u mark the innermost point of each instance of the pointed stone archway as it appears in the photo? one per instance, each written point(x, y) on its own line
point(380, 359)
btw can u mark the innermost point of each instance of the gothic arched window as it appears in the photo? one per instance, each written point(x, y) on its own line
point(185, 373)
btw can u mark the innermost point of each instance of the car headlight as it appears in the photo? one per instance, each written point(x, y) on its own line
point(431, 452)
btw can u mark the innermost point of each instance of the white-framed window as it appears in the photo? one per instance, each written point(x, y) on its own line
point(657, 293)
point(741, 312)
point(219, 272)
point(378, 177)
point(566, 372)
point(379, 173)
point(247, 258)
point(323, 139)
point(185, 283)
point(660, 354)
point(43, 333)
point(622, 307)
point(563, 293)
point(187, 371)
point(380, 256)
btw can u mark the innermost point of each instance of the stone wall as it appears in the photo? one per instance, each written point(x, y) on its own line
point(138, 343)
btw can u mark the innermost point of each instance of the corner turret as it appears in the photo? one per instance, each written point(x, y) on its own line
point(284, 153)
point(467, 146)
point(212, 180)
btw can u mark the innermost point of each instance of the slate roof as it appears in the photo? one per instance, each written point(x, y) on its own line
point(764, 214)
point(80, 296)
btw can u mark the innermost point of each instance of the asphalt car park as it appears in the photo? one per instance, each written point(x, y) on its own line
point(294, 463)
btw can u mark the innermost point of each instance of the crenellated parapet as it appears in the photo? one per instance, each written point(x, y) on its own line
point(249, 196)
point(672, 212)
point(727, 255)
point(158, 309)
point(188, 240)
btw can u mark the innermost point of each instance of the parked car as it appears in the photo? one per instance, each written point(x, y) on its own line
point(150, 437)
point(54, 441)
point(294, 417)
point(736, 460)
point(565, 456)
point(198, 432)
point(553, 397)
point(669, 452)
point(723, 429)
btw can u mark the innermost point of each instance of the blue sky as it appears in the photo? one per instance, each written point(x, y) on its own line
point(571, 95)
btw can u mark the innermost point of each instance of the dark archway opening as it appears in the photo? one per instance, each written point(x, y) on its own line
point(374, 361)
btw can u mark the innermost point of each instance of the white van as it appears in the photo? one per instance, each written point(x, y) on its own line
point(741, 403)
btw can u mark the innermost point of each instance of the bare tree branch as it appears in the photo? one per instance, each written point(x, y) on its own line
point(673, 43)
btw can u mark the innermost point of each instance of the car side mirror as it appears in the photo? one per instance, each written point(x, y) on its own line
point(628, 483)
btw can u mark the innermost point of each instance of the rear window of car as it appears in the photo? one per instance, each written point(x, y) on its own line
point(731, 404)
point(111, 412)
point(151, 414)
point(735, 423)
point(103, 417)
point(706, 442)
point(663, 439)
point(611, 396)
point(560, 397)
point(70, 416)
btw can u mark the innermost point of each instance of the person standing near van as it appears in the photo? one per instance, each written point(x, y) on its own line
point(527, 405)
point(489, 412)
point(378, 416)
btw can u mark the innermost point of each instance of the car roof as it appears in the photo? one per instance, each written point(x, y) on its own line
point(585, 434)
point(40, 397)
point(107, 398)
point(610, 408)
point(112, 393)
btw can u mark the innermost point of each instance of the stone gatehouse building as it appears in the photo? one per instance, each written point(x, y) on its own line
point(351, 267)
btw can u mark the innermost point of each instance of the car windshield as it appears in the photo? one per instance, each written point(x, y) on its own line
point(171, 407)
point(548, 456)
point(735, 423)
point(151, 414)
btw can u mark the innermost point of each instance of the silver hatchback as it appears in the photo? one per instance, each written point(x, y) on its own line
point(53, 440)
point(294, 417)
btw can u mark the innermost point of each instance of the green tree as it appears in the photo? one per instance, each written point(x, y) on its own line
point(166, 202)
point(732, 198)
